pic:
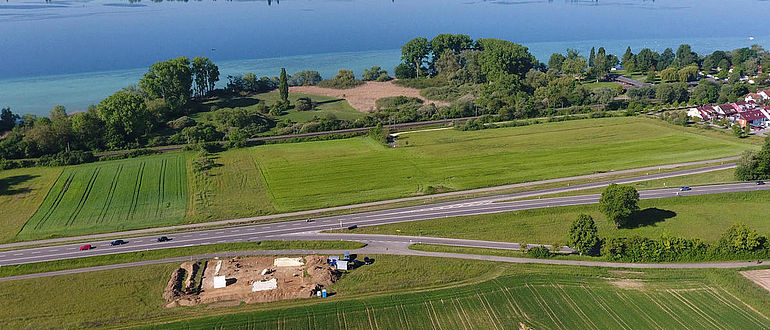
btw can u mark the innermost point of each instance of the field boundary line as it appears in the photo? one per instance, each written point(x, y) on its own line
point(743, 302)
point(665, 310)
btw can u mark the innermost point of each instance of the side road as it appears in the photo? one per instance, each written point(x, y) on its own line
point(382, 246)
point(427, 198)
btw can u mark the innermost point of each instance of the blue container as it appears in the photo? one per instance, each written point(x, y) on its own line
point(323, 293)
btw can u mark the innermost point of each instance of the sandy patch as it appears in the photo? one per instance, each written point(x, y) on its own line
point(627, 283)
point(363, 98)
point(247, 281)
point(760, 277)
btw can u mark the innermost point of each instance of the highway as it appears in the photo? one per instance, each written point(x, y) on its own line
point(303, 230)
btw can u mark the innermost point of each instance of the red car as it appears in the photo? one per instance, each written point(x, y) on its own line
point(86, 247)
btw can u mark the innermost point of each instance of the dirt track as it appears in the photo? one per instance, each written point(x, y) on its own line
point(362, 98)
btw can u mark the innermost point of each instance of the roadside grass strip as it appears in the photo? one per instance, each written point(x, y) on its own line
point(111, 196)
point(551, 302)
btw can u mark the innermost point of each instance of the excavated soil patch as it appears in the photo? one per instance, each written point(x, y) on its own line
point(363, 98)
point(297, 280)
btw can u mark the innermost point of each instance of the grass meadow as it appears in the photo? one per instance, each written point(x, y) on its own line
point(533, 297)
point(328, 173)
point(110, 196)
point(705, 217)
point(21, 192)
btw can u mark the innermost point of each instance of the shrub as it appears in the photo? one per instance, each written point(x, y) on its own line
point(379, 134)
point(181, 122)
point(395, 101)
point(303, 104)
point(305, 78)
point(740, 238)
point(130, 154)
point(375, 73)
point(583, 235)
point(540, 252)
point(67, 158)
point(405, 71)
point(344, 79)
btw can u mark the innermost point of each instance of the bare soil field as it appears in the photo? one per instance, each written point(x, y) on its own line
point(761, 277)
point(250, 280)
point(363, 97)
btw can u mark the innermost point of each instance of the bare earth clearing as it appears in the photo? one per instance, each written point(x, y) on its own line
point(250, 280)
point(362, 98)
point(760, 277)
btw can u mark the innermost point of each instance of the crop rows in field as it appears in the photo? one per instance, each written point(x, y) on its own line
point(114, 195)
point(508, 303)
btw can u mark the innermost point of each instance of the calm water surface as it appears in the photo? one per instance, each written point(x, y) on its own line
point(77, 52)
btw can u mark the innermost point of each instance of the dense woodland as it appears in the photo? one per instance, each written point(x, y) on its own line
point(497, 79)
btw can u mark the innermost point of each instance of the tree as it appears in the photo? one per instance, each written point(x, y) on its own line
point(305, 78)
point(669, 74)
point(652, 77)
point(7, 119)
point(591, 57)
point(448, 63)
point(126, 118)
point(415, 52)
point(501, 57)
point(706, 92)
point(88, 129)
point(738, 131)
point(685, 56)
point(688, 73)
point(236, 138)
point(646, 60)
point(283, 86)
point(583, 235)
point(574, 66)
point(628, 60)
point(555, 62)
point(206, 75)
point(740, 238)
point(619, 203)
point(455, 43)
point(666, 59)
point(170, 80)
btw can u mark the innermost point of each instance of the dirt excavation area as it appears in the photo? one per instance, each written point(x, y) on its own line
point(363, 98)
point(248, 279)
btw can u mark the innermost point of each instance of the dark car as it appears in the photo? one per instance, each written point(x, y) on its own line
point(685, 188)
point(86, 247)
point(759, 183)
point(163, 239)
point(118, 242)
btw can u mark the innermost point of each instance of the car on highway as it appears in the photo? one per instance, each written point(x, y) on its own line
point(685, 188)
point(163, 239)
point(118, 242)
point(760, 182)
point(86, 247)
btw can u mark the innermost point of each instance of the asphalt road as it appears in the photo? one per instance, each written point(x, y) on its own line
point(301, 229)
point(426, 198)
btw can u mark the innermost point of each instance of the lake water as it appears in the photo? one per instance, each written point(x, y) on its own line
point(77, 52)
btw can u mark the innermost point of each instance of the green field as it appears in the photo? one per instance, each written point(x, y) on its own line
point(111, 196)
point(441, 293)
point(325, 106)
point(21, 192)
point(526, 297)
point(705, 217)
point(230, 191)
point(328, 173)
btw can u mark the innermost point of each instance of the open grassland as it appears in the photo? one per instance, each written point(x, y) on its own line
point(231, 190)
point(537, 297)
point(131, 296)
point(705, 217)
point(326, 105)
point(328, 173)
point(119, 258)
point(111, 196)
point(21, 192)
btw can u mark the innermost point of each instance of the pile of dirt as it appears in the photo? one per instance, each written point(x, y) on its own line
point(174, 287)
point(291, 282)
point(363, 97)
